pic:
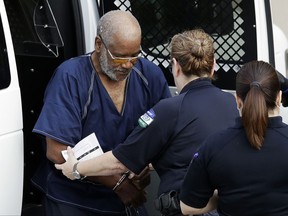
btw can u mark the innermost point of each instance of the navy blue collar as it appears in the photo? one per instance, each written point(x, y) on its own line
point(273, 122)
point(203, 81)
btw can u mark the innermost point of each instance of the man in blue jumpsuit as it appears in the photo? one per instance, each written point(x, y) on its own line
point(104, 92)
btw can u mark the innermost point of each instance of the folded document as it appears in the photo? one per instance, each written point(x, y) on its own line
point(86, 149)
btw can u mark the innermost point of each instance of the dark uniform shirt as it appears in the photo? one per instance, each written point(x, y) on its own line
point(250, 182)
point(176, 128)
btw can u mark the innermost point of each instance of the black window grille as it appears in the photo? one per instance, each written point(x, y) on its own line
point(230, 22)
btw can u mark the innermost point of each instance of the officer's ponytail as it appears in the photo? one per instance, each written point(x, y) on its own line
point(257, 86)
point(255, 115)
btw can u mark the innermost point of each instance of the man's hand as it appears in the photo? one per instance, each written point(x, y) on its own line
point(142, 180)
point(126, 191)
point(130, 194)
point(131, 191)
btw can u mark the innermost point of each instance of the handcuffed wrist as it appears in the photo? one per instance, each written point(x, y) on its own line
point(122, 178)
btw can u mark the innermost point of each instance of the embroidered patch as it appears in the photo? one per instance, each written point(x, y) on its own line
point(147, 118)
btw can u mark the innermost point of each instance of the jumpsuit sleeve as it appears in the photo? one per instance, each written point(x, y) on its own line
point(60, 118)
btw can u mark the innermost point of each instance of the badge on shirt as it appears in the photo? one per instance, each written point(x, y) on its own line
point(147, 118)
point(196, 155)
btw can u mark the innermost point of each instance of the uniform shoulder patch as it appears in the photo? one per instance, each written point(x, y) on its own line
point(147, 118)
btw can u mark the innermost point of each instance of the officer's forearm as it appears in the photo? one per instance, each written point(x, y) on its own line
point(104, 165)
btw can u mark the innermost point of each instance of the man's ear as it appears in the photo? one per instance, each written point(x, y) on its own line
point(98, 44)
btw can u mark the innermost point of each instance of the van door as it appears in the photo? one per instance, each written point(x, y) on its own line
point(11, 135)
point(44, 35)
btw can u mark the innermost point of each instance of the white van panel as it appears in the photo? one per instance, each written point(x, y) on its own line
point(10, 99)
point(280, 47)
point(10, 111)
point(90, 16)
point(261, 26)
point(11, 166)
point(11, 134)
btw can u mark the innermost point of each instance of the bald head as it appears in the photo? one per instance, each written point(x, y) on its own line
point(120, 23)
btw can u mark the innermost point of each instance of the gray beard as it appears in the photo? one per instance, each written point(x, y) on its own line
point(108, 70)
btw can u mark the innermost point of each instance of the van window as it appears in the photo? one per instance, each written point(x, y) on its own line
point(230, 22)
point(34, 28)
point(5, 77)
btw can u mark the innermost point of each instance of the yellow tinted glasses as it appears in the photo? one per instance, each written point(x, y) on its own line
point(120, 60)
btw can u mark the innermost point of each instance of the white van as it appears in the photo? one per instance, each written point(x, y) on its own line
point(11, 134)
point(37, 35)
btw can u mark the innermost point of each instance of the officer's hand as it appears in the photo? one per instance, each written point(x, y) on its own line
point(143, 179)
point(129, 194)
point(67, 167)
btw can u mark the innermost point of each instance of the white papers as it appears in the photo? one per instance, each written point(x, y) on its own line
point(87, 148)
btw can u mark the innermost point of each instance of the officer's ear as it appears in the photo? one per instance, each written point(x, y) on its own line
point(176, 67)
point(213, 68)
point(239, 103)
point(279, 99)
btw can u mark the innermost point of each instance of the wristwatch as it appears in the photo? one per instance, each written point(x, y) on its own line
point(75, 172)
